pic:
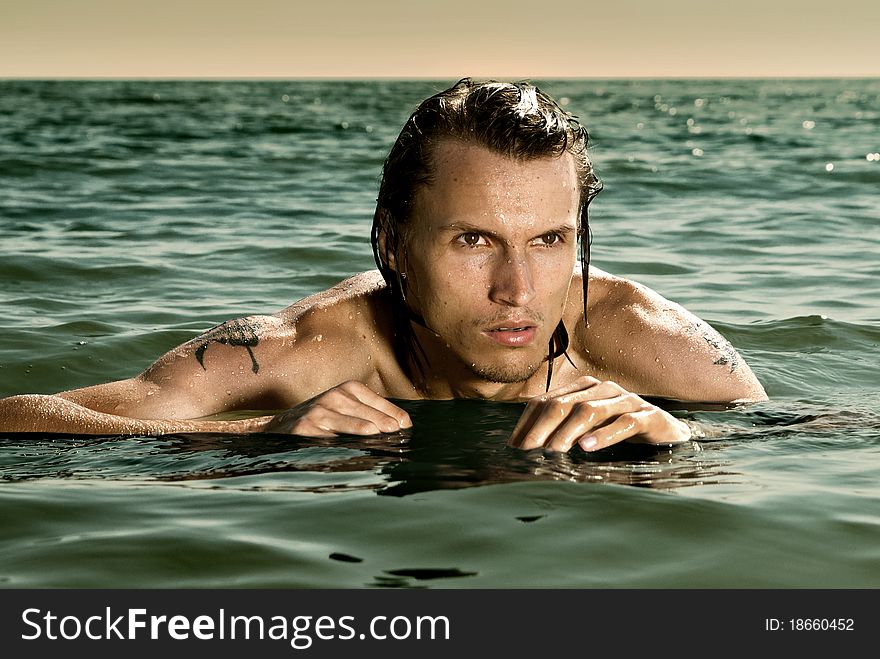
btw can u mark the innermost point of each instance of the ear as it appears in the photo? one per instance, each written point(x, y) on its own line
point(388, 244)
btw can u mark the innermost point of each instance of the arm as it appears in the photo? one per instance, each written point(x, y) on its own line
point(193, 380)
point(259, 362)
point(55, 414)
point(350, 408)
point(656, 347)
point(641, 342)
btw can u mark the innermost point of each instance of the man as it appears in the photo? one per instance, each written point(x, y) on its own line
point(483, 200)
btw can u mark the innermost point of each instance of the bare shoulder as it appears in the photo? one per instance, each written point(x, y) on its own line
point(351, 312)
point(257, 362)
point(654, 346)
point(285, 358)
point(335, 314)
point(355, 291)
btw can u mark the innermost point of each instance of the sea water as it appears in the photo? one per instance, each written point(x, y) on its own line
point(137, 214)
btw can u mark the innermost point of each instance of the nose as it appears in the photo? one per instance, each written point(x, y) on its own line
point(512, 284)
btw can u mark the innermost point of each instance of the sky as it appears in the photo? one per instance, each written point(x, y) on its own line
point(438, 39)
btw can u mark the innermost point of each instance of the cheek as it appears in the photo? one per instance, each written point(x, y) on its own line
point(458, 287)
point(449, 293)
point(553, 269)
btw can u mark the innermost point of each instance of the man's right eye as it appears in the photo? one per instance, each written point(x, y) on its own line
point(472, 239)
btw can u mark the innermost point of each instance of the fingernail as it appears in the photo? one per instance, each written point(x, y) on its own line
point(587, 442)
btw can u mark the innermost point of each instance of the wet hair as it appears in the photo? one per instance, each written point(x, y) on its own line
point(513, 119)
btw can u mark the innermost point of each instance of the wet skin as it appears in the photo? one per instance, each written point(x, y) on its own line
point(489, 257)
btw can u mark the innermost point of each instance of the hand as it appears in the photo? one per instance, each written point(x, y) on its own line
point(350, 408)
point(595, 415)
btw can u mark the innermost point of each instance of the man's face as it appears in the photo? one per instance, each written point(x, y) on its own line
point(490, 256)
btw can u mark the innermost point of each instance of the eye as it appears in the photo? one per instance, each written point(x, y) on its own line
point(472, 239)
point(549, 239)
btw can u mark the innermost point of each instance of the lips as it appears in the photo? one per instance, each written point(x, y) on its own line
point(513, 333)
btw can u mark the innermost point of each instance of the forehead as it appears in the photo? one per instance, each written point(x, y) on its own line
point(472, 184)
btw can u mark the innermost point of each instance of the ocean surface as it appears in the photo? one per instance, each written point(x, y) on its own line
point(136, 214)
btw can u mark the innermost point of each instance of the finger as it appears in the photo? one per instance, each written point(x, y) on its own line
point(536, 405)
point(647, 426)
point(524, 424)
point(344, 402)
point(668, 430)
point(583, 408)
point(625, 401)
point(588, 416)
point(369, 397)
point(625, 426)
point(607, 389)
point(323, 422)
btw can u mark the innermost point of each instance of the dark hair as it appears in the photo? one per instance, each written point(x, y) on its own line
point(513, 119)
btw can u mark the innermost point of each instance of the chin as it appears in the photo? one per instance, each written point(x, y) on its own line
point(504, 373)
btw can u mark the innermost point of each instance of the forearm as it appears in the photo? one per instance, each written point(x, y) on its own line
point(51, 414)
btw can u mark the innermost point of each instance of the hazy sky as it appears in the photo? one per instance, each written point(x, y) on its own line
point(448, 39)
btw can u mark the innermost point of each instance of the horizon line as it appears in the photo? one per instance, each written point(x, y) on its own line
point(195, 78)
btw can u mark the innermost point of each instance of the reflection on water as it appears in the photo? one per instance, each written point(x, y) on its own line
point(452, 445)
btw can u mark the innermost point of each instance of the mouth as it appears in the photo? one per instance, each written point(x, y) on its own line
point(514, 334)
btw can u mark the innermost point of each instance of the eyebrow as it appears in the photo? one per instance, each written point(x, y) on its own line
point(467, 227)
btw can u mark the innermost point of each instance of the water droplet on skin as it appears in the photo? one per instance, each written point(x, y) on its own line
point(228, 392)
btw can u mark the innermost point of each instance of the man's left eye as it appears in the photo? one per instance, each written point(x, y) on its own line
point(550, 238)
